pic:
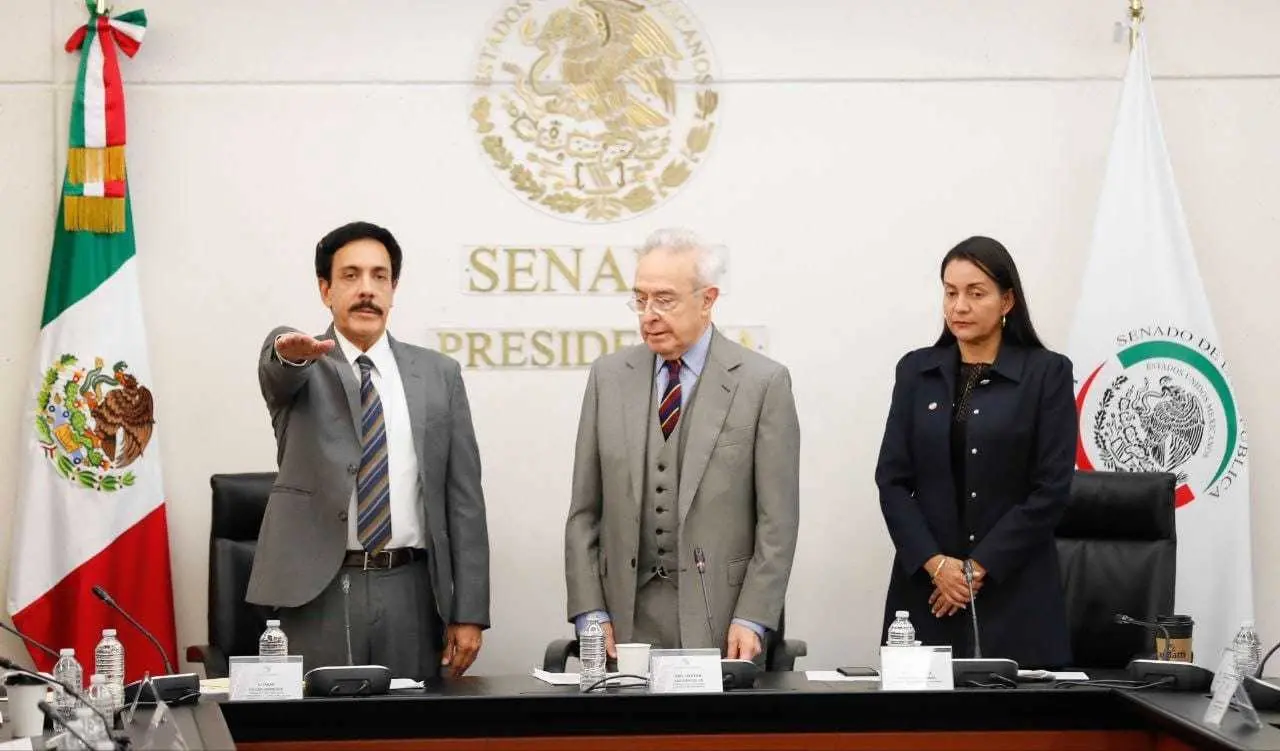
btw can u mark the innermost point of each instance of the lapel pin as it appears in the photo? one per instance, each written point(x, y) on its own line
point(933, 405)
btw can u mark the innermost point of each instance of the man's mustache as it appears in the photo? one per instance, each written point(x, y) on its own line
point(366, 306)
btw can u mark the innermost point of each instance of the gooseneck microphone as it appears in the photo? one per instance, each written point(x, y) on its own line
point(173, 688)
point(1126, 620)
point(29, 640)
point(75, 692)
point(700, 562)
point(346, 614)
point(101, 594)
point(54, 718)
point(973, 609)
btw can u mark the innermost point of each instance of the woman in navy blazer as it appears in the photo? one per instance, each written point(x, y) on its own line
point(976, 466)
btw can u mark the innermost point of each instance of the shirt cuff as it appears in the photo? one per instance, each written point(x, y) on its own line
point(580, 620)
point(756, 627)
point(275, 348)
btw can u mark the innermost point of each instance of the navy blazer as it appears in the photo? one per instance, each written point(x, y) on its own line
point(1020, 458)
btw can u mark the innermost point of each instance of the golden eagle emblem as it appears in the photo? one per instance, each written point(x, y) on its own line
point(595, 109)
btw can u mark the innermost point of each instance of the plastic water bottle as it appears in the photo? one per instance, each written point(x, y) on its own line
point(901, 632)
point(108, 662)
point(273, 642)
point(99, 695)
point(91, 728)
point(1247, 650)
point(68, 670)
point(591, 653)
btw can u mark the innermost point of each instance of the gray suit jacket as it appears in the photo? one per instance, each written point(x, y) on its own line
point(738, 495)
point(315, 410)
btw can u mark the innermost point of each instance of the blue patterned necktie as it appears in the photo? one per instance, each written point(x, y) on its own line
point(373, 486)
point(669, 409)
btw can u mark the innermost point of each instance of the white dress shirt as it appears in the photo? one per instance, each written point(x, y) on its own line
point(407, 522)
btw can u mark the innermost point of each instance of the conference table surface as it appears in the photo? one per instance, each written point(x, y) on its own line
point(783, 711)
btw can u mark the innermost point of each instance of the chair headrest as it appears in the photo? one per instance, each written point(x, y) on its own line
point(239, 503)
point(1120, 506)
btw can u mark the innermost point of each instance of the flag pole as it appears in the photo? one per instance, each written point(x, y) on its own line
point(1135, 21)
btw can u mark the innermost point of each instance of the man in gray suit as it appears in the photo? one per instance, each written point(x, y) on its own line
point(375, 536)
point(688, 450)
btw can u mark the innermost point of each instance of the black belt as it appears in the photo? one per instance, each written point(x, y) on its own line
point(392, 558)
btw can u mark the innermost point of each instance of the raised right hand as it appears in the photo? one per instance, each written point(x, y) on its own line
point(296, 346)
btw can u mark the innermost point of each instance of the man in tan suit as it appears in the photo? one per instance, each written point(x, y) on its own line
point(688, 448)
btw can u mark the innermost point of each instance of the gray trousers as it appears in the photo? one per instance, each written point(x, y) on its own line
point(393, 622)
point(657, 620)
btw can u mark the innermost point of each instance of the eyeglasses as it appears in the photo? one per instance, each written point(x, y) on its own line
point(660, 304)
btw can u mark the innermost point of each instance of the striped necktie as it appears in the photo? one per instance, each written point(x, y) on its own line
point(669, 409)
point(373, 487)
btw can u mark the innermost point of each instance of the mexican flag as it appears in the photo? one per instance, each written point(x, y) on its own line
point(91, 507)
point(1153, 392)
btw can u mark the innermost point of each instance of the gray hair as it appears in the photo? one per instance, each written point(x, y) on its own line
point(709, 263)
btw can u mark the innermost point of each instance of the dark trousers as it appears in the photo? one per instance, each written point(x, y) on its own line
point(392, 616)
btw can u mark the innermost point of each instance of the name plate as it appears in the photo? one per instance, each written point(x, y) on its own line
point(265, 678)
point(1227, 689)
point(915, 669)
point(685, 671)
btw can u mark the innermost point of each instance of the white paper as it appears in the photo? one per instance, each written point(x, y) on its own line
point(266, 679)
point(1069, 675)
point(399, 683)
point(21, 744)
point(685, 671)
point(572, 679)
point(834, 676)
point(916, 669)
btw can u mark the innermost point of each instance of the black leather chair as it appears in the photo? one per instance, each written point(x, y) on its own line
point(239, 503)
point(780, 653)
point(1117, 548)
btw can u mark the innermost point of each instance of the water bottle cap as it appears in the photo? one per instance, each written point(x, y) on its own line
point(67, 652)
point(108, 632)
point(273, 624)
point(1247, 624)
point(902, 614)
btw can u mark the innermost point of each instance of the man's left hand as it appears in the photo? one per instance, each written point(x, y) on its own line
point(743, 643)
point(462, 644)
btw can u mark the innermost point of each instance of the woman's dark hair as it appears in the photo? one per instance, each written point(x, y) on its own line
point(994, 261)
point(331, 243)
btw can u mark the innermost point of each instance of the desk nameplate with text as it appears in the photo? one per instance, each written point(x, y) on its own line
point(685, 671)
point(265, 678)
point(919, 668)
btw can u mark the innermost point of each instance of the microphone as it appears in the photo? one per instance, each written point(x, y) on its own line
point(979, 669)
point(75, 692)
point(173, 688)
point(973, 608)
point(700, 561)
point(49, 712)
point(349, 679)
point(346, 613)
point(29, 640)
point(1126, 620)
point(101, 594)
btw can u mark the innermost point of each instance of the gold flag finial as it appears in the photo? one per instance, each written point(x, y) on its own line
point(1135, 20)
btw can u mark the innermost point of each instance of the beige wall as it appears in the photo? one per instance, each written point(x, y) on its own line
point(859, 140)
